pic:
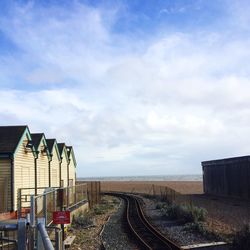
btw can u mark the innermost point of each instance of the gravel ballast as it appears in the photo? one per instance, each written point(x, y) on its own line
point(113, 235)
point(174, 230)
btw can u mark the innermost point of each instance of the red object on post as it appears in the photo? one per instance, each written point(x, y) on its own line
point(61, 217)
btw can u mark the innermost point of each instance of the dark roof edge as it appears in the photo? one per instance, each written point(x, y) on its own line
point(26, 128)
point(63, 145)
point(73, 154)
point(245, 158)
point(6, 155)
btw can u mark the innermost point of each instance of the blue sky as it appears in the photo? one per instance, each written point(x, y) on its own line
point(137, 87)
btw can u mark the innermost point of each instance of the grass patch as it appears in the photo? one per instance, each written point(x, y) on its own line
point(83, 219)
point(105, 206)
point(86, 219)
point(188, 213)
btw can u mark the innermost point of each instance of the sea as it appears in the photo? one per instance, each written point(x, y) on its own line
point(144, 178)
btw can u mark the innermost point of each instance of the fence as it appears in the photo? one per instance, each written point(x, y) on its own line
point(35, 211)
point(39, 208)
point(50, 200)
point(94, 192)
point(163, 193)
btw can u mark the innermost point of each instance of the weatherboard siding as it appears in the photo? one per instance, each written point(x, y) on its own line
point(72, 171)
point(64, 171)
point(55, 169)
point(24, 170)
point(5, 185)
point(42, 170)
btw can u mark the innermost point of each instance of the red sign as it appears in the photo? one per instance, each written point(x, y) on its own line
point(61, 217)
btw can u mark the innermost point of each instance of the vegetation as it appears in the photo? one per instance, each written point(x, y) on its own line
point(83, 219)
point(87, 219)
point(188, 213)
point(241, 239)
point(193, 218)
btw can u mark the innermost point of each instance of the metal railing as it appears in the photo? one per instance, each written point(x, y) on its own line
point(24, 198)
point(50, 200)
point(39, 210)
point(8, 236)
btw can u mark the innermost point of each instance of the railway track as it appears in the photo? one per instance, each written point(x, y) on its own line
point(146, 235)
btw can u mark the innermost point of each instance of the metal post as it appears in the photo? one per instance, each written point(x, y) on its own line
point(32, 211)
point(54, 199)
point(45, 208)
point(75, 193)
point(43, 240)
point(28, 218)
point(61, 198)
point(58, 238)
point(19, 203)
point(68, 193)
point(21, 234)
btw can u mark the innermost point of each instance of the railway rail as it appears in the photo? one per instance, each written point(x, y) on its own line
point(145, 234)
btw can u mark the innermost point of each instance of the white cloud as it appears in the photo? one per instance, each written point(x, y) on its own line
point(160, 109)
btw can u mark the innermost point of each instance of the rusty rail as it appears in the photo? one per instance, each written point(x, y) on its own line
point(144, 234)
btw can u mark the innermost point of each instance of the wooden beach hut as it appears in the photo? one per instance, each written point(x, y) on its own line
point(41, 162)
point(17, 156)
point(71, 166)
point(227, 177)
point(63, 164)
point(54, 163)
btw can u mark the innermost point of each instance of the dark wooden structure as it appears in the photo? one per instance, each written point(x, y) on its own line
point(227, 177)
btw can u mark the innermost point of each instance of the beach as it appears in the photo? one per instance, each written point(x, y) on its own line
point(183, 187)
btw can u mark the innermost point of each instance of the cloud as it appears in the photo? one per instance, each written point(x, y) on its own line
point(157, 105)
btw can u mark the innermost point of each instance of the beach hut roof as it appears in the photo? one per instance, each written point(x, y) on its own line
point(37, 139)
point(62, 149)
point(51, 143)
point(70, 151)
point(69, 148)
point(10, 137)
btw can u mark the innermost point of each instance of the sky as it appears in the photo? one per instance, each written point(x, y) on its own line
point(142, 87)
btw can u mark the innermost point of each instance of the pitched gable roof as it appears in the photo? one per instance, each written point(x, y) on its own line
point(62, 148)
point(10, 137)
point(36, 138)
point(69, 148)
point(70, 152)
point(50, 144)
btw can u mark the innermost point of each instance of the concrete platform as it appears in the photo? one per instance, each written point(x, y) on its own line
point(209, 246)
